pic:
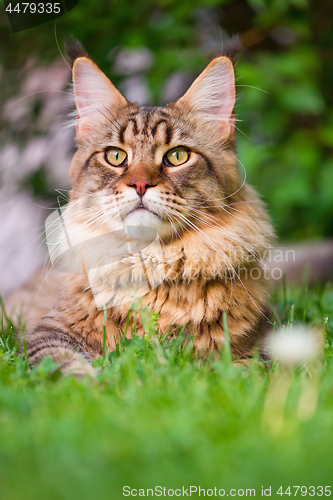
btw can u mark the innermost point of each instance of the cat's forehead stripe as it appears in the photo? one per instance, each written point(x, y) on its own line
point(135, 125)
point(147, 122)
point(154, 129)
point(121, 133)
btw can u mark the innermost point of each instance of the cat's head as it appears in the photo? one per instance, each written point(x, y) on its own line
point(166, 167)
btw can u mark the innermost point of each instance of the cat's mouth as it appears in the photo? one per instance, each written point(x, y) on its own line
point(141, 207)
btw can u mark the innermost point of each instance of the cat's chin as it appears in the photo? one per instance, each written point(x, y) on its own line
point(142, 217)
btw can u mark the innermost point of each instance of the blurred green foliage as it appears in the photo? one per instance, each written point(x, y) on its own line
point(285, 77)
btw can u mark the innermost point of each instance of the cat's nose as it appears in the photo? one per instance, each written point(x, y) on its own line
point(140, 185)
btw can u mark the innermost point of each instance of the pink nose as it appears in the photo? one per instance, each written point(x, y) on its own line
point(140, 185)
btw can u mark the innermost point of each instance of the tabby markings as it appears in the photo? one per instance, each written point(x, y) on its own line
point(144, 130)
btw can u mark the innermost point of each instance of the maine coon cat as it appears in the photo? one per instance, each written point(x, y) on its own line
point(173, 169)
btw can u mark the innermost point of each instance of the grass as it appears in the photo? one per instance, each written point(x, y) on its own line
point(157, 416)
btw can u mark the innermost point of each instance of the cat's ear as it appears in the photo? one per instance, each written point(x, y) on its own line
point(95, 96)
point(212, 96)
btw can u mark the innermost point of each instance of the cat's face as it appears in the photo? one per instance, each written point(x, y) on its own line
point(167, 168)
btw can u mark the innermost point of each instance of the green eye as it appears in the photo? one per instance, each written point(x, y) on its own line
point(177, 156)
point(115, 156)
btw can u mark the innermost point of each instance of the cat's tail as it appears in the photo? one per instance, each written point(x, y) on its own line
point(50, 339)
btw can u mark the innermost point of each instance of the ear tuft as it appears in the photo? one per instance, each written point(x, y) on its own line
point(74, 50)
point(232, 48)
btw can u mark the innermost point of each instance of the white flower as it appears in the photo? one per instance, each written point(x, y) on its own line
point(295, 346)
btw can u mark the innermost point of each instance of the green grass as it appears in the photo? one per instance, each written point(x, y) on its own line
point(157, 416)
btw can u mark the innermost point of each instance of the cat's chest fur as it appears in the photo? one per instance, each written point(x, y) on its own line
point(201, 282)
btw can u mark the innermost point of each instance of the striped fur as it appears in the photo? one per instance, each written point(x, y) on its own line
point(213, 227)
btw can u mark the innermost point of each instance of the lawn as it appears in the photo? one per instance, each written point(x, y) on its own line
point(158, 418)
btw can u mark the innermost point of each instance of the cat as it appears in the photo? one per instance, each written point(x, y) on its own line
point(172, 169)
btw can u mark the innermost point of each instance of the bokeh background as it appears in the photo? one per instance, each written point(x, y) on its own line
point(152, 50)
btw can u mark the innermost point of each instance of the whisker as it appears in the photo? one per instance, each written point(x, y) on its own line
point(38, 92)
point(56, 39)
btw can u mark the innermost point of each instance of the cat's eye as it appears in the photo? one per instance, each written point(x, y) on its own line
point(115, 156)
point(177, 156)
